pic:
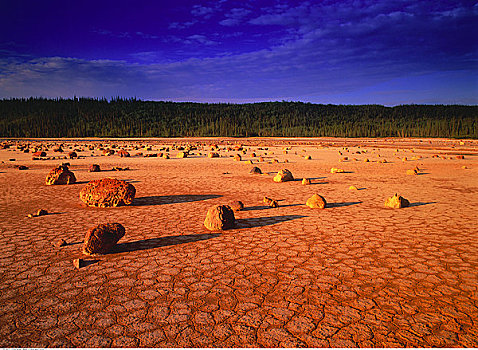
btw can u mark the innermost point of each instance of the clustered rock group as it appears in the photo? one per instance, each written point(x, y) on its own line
point(110, 192)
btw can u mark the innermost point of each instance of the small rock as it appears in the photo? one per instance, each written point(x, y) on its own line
point(41, 212)
point(220, 217)
point(236, 206)
point(237, 158)
point(182, 155)
point(22, 167)
point(397, 202)
point(308, 157)
point(213, 155)
point(123, 153)
point(102, 238)
point(72, 155)
point(60, 176)
point(78, 263)
point(283, 176)
point(460, 157)
point(336, 170)
point(60, 243)
point(270, 202)
point(316, 202)
point(412, 172)
point(353, 188)
point(94, 168)
point(305, 181)
point(255, 171)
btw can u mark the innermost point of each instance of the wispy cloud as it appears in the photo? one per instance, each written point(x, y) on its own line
point(234, 17)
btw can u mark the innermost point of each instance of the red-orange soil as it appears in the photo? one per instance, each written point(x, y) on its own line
point(352, 274)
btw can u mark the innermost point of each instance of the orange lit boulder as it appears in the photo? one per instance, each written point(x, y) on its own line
point(107, 193)
point(219, 217)
point(102, 238)
point(60, 176)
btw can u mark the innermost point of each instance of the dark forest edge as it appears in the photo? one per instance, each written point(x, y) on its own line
point(119, 117)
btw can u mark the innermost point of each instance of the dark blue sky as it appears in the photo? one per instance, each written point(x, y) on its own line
point(342, 52)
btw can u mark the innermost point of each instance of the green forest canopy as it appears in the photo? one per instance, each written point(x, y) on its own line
point(119, 117)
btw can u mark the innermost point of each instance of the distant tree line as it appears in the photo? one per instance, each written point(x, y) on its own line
point(119, 117)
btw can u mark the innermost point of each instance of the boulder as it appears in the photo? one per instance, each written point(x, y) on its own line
point(213, 155)
point(353, 188)
point(94, 168)
point(283, 175)
point(107, 193)
point(316, 202)
point(305, 181)
point(397, 202)
point(270, 202)
point(102, 238)
point(60, 176)
point(412, 172)
point(336, 170)
point(255, 171)
point(236, 205)
point(219, 217)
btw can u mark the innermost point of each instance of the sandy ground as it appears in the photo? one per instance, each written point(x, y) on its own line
point(353, 274)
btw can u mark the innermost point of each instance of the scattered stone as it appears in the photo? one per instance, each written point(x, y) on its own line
point(308, 157)
point(460, 157)
point(305, 181)
point(166, 156)
point(283, 176)
point(270, 202)
point(316, 202)
point(72, 155)
point(412, 172)
point(236, 206)
point(60, 243)
point(336, 170)
point(39, 154)
point(397, 202)
point(182, 155)
point(78, 263)
point(237, 158)
point(255, 171)
point(117, 168)
point(60, 176)
point(464, 167)
point(22, 167)
point(41, 212)
point(213, 155)
point(249, 161)
point(107, 193)
point(219, 217)
point(366, 160)
point(102, 238)
point(353, 188)
point(122, 153)
point(94, 168)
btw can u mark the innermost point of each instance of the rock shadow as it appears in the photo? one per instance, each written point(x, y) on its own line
point(184, 198)
point(417, 204)
point(341, 204)
point(153, 243)
point(265, 221)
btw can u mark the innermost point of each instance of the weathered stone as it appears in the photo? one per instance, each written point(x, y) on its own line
point(72, 155)
point(237, 158)
point(236, 205)
point(41, 212)
point(460, 157)
point(255, 171)
point(352, 188)
point(182, 155)
point(60, 243)
point(305, 181)
point(412, 172)
point(270, 202)
point(94, 168)
point(39, 154)
point(107, 193)
point(316, 202)
point(397, 202)
point(219, 217)
point(213, 155)
point(283, 175)
point(102, 238)
point(22, 167)
point(336, 170)
point(78, 263)
point(60, 176)
point(123, 153)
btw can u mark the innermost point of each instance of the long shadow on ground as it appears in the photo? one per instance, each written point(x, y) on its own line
point(341, 204)
point(265, 221)
point(417, 204)
point(184, 198)
point(152, 243)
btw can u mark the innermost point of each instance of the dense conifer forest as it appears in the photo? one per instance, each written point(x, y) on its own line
point(118, 117)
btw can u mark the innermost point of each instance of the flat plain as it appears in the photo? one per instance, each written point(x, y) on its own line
point(355, 274)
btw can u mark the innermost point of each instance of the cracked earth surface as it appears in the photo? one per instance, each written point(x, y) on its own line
point(355, 274)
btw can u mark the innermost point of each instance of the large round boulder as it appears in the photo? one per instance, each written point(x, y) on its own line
point(107, 193)
point(316, 202)
point(283, 176)
point(60, 176)
point(220, 217)
point(102, 238)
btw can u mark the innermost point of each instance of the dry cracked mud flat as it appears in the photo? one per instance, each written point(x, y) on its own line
point(355, 274)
